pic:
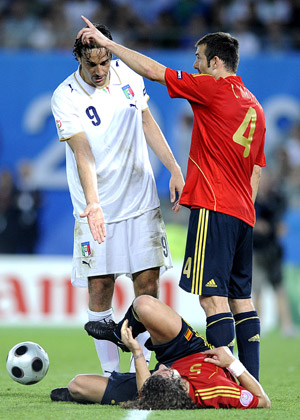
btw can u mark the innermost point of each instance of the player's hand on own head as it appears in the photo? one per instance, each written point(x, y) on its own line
point(96, 221)
point(92, 33)
point(220, 356)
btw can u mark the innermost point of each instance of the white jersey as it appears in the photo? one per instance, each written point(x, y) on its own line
point(111, 118)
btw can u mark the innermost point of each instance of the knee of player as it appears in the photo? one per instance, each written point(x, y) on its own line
point(143, 306)
point(76, 387)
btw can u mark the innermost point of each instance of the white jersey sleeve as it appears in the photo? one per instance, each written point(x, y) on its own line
point(67, 117)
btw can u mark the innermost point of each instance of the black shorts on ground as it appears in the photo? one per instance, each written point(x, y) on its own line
point(121, 387)
point(218, 256)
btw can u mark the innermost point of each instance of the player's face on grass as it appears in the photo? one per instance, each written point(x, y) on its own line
point(166, 372)
point(170, 373)
point(95, 65)
point(200, 63)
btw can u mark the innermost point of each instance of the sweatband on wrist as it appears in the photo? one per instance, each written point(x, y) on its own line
point(138, 356)
point(236, 368)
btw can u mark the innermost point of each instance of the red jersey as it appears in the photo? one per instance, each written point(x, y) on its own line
point(227, 141)
point(211, 386)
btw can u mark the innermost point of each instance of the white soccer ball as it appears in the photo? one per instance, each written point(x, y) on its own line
point(27, 363)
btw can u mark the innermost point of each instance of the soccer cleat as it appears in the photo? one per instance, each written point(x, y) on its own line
point(105, 331)
point(63, 394)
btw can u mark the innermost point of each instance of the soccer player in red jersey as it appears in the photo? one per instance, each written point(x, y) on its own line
point(225, 161)
point(190, 373)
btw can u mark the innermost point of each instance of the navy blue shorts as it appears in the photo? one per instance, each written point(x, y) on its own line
point(122, 386)
point(218, 256)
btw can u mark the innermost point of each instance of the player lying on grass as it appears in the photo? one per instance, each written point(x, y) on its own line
point(190, 373)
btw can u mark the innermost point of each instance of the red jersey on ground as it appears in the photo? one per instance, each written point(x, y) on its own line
point(211, 386)
point(227, 141)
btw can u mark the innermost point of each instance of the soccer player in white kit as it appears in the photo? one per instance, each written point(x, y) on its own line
point(102, 115)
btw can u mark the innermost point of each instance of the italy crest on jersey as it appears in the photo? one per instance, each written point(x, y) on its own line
point(128, 91)
point(58, 124)
point(85, 249)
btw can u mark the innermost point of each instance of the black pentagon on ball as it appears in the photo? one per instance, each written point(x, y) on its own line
point(17, 372)
point(21, 350)
point(37, 364)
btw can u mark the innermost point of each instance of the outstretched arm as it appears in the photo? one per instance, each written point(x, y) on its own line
point(160, 147)
point(223, 357)
point(87, 174)
point(141, 368)
point(141, 64)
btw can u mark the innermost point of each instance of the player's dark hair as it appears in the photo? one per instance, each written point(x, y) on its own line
point(161, 393)
point(80, 48)
point(222, 45)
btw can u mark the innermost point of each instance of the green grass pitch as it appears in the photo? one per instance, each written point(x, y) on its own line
point(71, 351)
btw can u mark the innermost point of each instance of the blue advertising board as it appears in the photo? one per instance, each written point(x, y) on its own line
point(27, 128)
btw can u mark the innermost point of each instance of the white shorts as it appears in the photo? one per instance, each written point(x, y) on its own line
point(130, 246)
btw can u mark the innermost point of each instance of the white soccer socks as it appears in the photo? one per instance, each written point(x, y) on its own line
point(108, 352)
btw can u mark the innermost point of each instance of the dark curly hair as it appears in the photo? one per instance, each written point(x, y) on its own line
point(80, 49)
point(161, 393)
point(222, 45)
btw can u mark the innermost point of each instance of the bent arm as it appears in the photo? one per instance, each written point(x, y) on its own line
point(160, 147)
point(252, 385)
point(141, 367)
point(87, 174)
point(223, 357)
point(141, 64)
point(255, 178)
